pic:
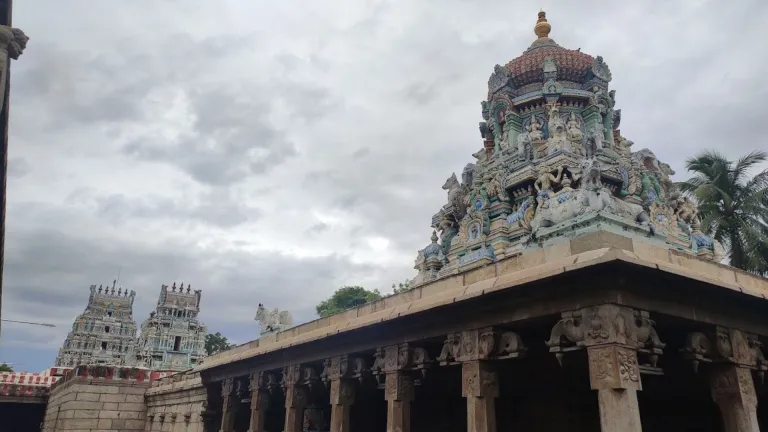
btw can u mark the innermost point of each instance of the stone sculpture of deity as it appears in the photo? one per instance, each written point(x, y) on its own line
point(595, 139)
point(504, 145)
point(558, 135)
point(523, 142)
point(574, 129)
point(534, 130)
point(545, 182)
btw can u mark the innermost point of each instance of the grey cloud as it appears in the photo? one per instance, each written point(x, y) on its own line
point(66, 87)
point(421, 93)
point(319, 227)
point(364, 124)
point(361, 152)
point(213, 210)
point(18, 168)
point(234, 282)
point(232, 136)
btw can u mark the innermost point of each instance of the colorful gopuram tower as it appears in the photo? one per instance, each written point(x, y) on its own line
point(172, 338)
point(105, 333)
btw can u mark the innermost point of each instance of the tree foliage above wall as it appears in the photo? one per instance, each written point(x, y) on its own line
point(344, 298)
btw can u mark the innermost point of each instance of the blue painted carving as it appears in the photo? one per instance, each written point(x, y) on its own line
point(486, 252)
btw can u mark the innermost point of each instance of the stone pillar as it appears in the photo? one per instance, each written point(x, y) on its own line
point(399, 393)
point(734, 392)
point(612, 335)
point(514, 127)
point(296, 397)
point(229, 406)
point(480, 385)
point(259, 402)
point(295, 402)
point(614, 373)
point(476, 350)
point(342, 398)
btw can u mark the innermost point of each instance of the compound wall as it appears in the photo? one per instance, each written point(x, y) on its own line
point(103, 398)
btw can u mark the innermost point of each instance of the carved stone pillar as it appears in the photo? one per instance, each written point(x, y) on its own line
point(397, 365)
point(613, 335)
point(476, 350)
point(734, 392)
point(296, 397)
point(399, 393)
point(339, 373)
point(342, 398)
point(229, 405)
point(259, 401)
point(734, 356)
point(613, 372)
point(480, 386)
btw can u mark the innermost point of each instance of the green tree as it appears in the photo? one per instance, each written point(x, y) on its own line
point(5, 368)
point(345, 298)
point(401, 287)
point(215, 343)
point(733, 208)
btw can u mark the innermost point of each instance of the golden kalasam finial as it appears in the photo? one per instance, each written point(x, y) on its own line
point(542, 27)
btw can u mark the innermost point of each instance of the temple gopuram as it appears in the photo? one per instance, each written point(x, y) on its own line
point(567, 287)
point(172, 338)
point(105, 333)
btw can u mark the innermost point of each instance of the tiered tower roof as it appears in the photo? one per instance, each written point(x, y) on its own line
point(553, 166)
point(105, 332)
point(172, 338)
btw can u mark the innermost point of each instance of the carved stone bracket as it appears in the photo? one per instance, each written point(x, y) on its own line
point(291, 376)
point(344, 367)
point(242, 389)
point(725, 345)
point(607, 324)
point(259, 388)
point(310, 377)
point(481, 344)
point(227, 388)
point(293, 384)
point(401, 358)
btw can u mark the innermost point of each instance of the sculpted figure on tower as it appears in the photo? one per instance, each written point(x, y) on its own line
point(554, 163)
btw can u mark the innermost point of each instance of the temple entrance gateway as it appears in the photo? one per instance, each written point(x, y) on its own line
point(566, 286)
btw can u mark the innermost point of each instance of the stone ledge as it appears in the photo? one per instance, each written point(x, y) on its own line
point(534, 264)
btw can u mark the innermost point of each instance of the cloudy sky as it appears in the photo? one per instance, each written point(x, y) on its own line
point(274, 151)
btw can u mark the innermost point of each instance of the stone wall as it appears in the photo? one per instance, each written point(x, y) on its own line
point(105, 398)
point(177, 404)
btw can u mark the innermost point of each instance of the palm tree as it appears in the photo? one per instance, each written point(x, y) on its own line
point(732, 207)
